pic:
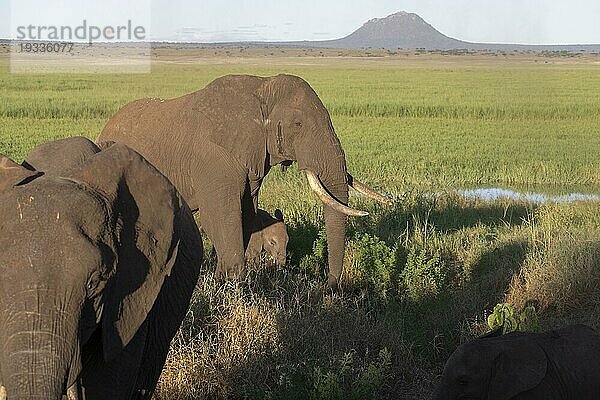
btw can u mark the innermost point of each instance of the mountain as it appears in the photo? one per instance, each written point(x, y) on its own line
point(400, 30)
point(404, 30)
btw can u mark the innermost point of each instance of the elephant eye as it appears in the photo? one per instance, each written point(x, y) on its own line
point(93, 281)
point(299, 124)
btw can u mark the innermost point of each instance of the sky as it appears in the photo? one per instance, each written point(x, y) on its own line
point(488, 21)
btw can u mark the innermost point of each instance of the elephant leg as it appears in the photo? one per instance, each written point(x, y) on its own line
point(249, 217)
point(218, 196)
point(221, 219)
point(228, 240)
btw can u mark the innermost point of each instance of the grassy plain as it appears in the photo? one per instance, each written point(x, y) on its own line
point(422, 275)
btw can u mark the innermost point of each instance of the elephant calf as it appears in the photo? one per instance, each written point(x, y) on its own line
point(561, 364)
point(98, 262)
point(270, 235)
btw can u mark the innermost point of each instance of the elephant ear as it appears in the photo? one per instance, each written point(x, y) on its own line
point(12, 174)
point(144, 207)
point(520, 366)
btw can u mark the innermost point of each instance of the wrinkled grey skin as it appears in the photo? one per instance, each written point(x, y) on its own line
point(60, 156)
point(270, 235)
point(97, 268)
point(217, 144)
point(561, 364)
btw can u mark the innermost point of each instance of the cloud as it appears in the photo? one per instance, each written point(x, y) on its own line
point(254, 32)
point(255, 26)
point(239, 34)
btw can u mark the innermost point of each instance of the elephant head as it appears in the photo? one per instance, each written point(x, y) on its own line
point(297, 127)
point(60, 156)
point(493, 368)
point(81, 254)
point(270, 235)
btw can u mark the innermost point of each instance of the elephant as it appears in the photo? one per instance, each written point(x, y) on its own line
point(555, 365)
point(59, 156)
point(270, 235)
point(217, 144)
point(97, 270)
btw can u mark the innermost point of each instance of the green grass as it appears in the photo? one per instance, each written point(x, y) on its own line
point(402, 126)
point(420, 276)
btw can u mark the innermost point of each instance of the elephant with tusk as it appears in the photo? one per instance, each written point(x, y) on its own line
point(217, 145)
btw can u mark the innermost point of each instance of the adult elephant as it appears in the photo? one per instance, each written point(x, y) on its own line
point(217, 144)
point(97, 268)
point(563, 364)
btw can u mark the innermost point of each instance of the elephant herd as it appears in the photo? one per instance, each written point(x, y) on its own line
point(100, 251)
point(100, 248)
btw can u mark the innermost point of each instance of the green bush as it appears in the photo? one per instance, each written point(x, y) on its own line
point(424, 275)
point(347, 380)
point(315, 263)
point(505, 317)
point(373, 264)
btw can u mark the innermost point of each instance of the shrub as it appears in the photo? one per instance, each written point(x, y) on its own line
point(424, 275)
point(315, 263)
point(347, 380)
point(371, 265)
point(506, 318)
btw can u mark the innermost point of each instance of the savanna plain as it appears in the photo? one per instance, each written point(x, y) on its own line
point(421, 276)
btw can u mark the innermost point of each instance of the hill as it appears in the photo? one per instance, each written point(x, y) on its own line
point(399, 30)
point(404, 30)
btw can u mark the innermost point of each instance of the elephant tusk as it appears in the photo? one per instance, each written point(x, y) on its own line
point(2, 393)
point(367, 191)
point(73, 392)
point(327, 199)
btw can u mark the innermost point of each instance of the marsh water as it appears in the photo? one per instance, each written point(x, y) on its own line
point(532, 195)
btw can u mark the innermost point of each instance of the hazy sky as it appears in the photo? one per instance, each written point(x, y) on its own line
point(504, 21)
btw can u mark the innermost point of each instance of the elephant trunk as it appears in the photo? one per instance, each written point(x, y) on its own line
point(327, 165)
point(38, 347)
point(335, 226)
